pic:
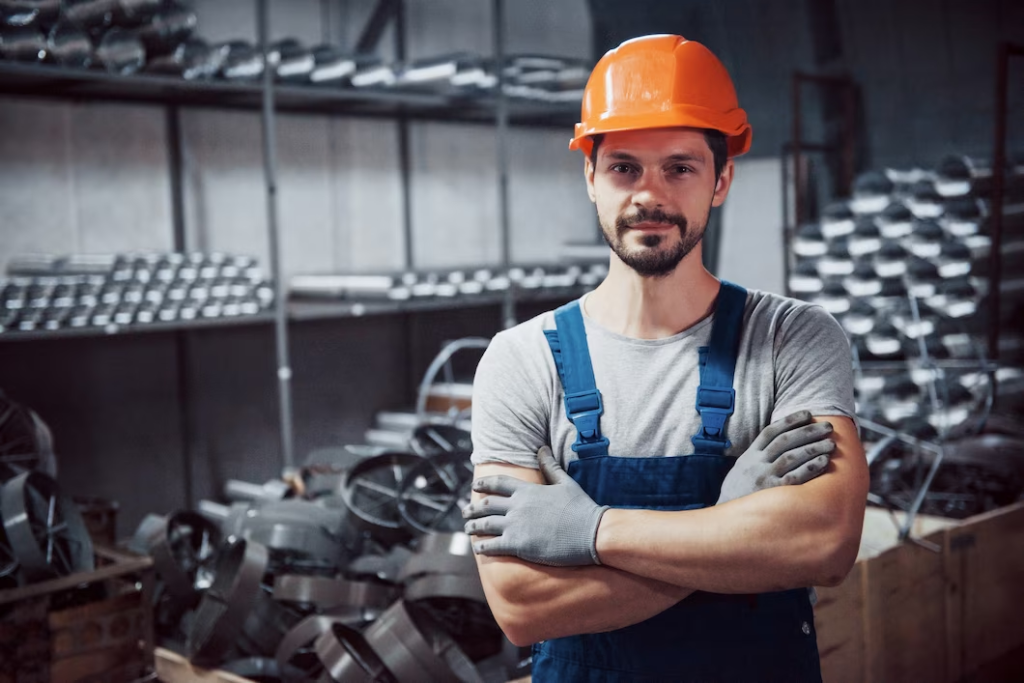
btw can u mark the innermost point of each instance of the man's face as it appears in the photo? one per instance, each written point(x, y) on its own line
point(654, 190)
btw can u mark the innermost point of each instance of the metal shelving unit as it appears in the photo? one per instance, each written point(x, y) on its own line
point(269, 97)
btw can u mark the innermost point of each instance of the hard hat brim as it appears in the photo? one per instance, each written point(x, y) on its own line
point(733, 124)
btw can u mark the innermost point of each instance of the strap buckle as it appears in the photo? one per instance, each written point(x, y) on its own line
point(584, 409)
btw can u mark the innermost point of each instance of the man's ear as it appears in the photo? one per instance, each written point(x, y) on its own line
point(588, 173)
point(724, 183)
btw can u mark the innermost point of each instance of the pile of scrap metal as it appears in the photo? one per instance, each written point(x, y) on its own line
point(354, 569)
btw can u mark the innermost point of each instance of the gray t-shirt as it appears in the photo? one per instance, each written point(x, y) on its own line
point(792, 356)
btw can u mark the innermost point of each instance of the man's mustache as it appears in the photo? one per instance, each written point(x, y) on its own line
point(626, 221)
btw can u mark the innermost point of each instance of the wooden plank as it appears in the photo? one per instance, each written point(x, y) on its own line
point(954, 562)
point(905, 614)
point(173, 668)
point(839, 621)
point(992, 547)
point(124, 564)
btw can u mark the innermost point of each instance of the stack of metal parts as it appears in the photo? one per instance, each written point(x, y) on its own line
point(113, 291)
point(355, 569)
point(902, 265)
point(158, 36)
point(120, 36)
point(439, 284)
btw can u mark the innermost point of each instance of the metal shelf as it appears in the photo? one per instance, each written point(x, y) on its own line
point(53, 82)
point(121, 330)
point(307, 310)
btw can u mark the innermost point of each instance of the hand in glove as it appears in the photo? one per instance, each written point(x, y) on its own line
point(553, 524)
point(791, 451)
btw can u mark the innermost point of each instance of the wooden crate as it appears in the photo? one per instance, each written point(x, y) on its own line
point(908, 613)
point(88, 627)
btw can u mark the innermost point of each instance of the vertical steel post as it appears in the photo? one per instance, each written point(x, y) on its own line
point(501, 133)
point(182, 338)
point(998, 177)
point(284, 370)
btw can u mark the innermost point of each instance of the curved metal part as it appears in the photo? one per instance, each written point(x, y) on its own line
point(447, 586)
point(434, 491)
point(348, 658)
point(328, 593)
point(305, 540)
point(26, 444)
point(224, 608)
point(44, 527)
point(268, 622)
point(442, 554)
point(271, 491)
point(181, 547)
point(295, 652)
point(371, 491)
point(8, 563)
point(416, 649)
point(429, 440)
point(150, 525)
point(439, 362)
point(385, 566)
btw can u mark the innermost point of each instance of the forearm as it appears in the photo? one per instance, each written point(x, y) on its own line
point(775, 539)
point(532, 602)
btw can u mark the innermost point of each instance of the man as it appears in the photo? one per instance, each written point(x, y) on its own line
point(632, 537)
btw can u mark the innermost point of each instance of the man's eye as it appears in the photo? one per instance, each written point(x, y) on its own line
point(680, 170)
point(622, 168)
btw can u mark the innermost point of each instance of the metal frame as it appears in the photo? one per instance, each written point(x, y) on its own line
point(1003, 54)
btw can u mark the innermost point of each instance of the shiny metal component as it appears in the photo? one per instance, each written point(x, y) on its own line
point(271, 491)
point(348, 658)
point(169, 27)
point(297, 527)
point(415, 648)
point(182, 549)
point(329, 594)
point(119, 51)
point(226, 605)
point(69, 45)
point(267, 623)
point(371, 492)
point(296, 656)
point(434, 491)
point(22, 43)
point(26, 12)
point(44, 528)
point(434, 439)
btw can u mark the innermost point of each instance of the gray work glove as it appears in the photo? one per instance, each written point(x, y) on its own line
point(553, 524)
point(790, 451)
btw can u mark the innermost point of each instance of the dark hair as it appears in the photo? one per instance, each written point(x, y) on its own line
point(717, 142)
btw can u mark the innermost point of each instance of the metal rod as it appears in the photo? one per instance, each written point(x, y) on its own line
point(998, 180)
point(369, 39)
point(501, 133)
point(798, 214)
point(284, 370)
point(908, 523)
point(182, 340)
point(404, 154)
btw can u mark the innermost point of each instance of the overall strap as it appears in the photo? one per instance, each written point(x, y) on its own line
point(583, 405)
point(716, 397)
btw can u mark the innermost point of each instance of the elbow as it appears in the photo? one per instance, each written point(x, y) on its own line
point(837, 558)
point(515, 624)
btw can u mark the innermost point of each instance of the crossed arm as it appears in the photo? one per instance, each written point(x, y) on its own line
point(775, 539)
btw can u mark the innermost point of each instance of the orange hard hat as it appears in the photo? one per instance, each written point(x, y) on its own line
point(661, 81)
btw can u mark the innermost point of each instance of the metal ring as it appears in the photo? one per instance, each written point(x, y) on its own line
point(8, 563)
point(45, 530)
point(429, 440)
point(26, 444)
point(434, 491)
point(415, 648)
point(267, 623)
point(181, 546)
point(295, 651)
point(371, 489)
point(441, 554)
point(445, 586)
point(224, 608)
point(348, 658)
point(330, 593)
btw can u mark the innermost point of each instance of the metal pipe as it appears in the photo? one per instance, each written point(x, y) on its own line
point(798, 214)
point(284, 371)
point(501, 133)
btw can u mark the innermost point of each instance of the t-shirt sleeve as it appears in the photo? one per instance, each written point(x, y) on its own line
point(510, 409)
point(813, 365)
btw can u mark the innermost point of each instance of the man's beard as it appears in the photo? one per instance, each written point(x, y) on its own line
point(652, 262)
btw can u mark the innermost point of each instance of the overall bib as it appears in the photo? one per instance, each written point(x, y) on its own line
point(707, 637)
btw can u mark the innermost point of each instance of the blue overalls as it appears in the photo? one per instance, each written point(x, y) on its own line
point(707, 637)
